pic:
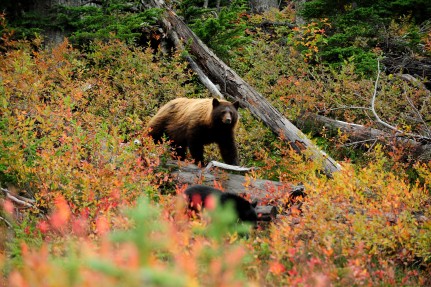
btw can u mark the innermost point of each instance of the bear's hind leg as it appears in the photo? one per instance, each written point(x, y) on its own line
point(197, 152)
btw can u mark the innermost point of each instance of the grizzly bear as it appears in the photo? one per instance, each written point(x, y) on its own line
point(197, 198)
point(193, 123)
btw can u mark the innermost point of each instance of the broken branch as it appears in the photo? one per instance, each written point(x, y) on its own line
point(20, 201)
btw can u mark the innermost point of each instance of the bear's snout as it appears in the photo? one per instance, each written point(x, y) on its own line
point(227, 119)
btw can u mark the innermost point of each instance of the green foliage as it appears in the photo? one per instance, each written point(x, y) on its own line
point(381, 9)
point(359, 30)
point(335, 90)
point(222, 29)
point(115, 19)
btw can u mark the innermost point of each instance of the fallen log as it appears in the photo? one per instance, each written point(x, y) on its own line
point(258, 189)
point(266, 213)
point(361, 134)
point(235, 87)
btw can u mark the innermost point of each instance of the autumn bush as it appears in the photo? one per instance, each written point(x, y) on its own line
point(73, 137)
point(296, 86)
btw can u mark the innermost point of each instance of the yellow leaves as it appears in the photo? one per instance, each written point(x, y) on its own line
point(309, 37)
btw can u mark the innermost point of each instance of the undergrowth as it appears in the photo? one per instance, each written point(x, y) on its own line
point(73, 136)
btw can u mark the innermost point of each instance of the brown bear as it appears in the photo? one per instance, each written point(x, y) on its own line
point(193, 123)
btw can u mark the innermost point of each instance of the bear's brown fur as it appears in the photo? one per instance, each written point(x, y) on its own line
point(193, 123)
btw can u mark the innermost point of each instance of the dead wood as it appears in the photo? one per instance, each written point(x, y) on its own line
point(420, 67)
point(360, 134)
point(17, 199)
point(234, 86)
point(258, 189)
point(266, 213)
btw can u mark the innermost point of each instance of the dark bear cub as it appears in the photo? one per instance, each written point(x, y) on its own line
point(197, 197)
point(194, 123)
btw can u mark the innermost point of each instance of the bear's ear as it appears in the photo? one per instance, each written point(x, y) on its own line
point(254, 203)
point(236, 105)
point(216, 103)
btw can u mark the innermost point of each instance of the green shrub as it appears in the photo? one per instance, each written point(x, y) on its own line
point(221, 30)
point(361, 30)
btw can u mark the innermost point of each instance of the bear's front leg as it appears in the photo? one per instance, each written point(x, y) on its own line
point(156, 132)
point(228, 151)
point(197, 152)
point(180, 151)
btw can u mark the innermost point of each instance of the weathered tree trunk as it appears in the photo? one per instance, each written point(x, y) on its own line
point(298, 5)
point(53, 36)
point(234, 86)
point(363, 134)
point(258, 189)
point(260, 6)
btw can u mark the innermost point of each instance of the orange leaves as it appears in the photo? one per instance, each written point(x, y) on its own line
point(65, 122)
point(102, 225)
point(8, 207)
point(43, 226)
point(79, 226)
point(276, 268)
point(210, 203)
point(165, 250)
point(345, 224)
point(61, 214)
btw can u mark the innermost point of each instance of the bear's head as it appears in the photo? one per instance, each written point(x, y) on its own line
point(245, 210)
point(225, 113)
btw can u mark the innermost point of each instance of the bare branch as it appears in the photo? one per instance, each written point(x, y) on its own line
point(204, 79)
point(362, 134)
point(95, 2)
point(379, 120)
point(226, 166)
point(373, 101)
point(195, 67)
point(347, 108)
point(7, 222)
point(360, 142)
point(428, 131)
point(23, 201)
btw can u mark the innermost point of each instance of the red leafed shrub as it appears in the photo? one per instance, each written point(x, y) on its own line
point(72, 134)
point(70, 122)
